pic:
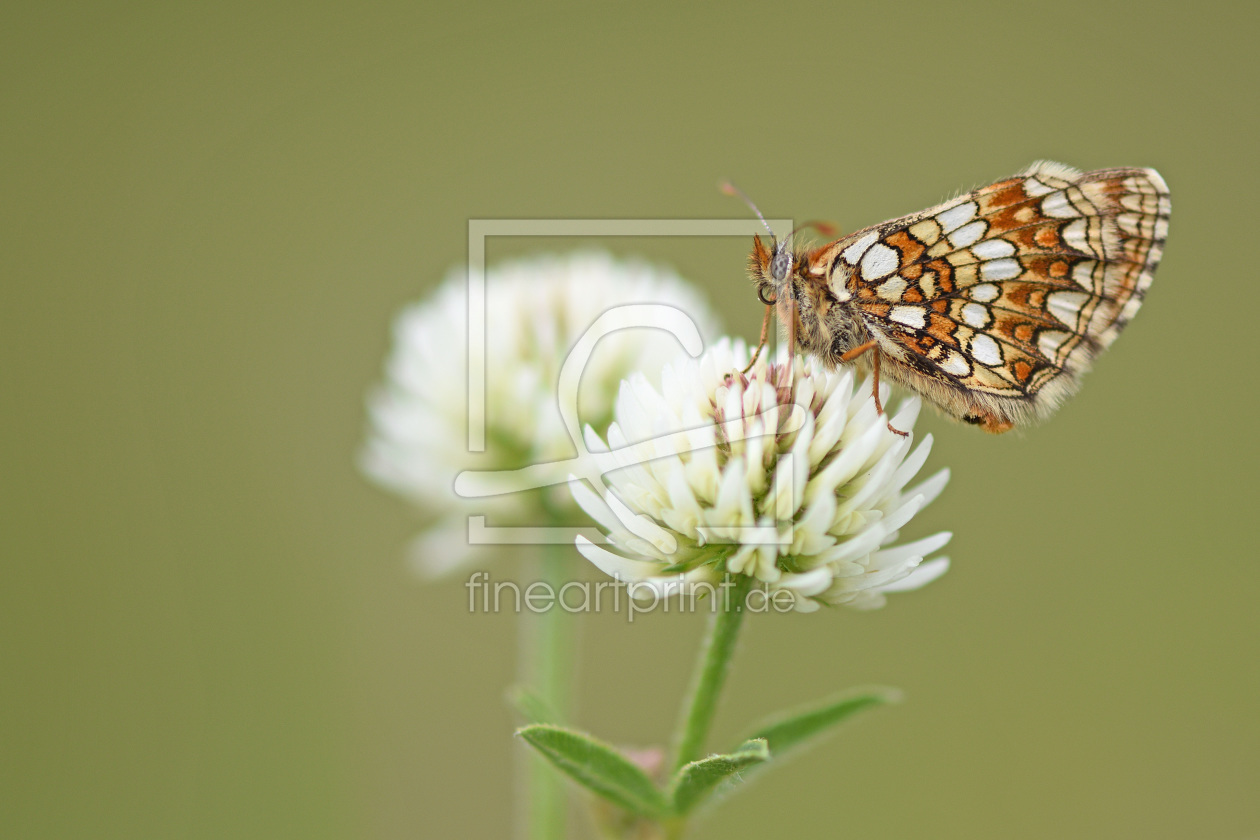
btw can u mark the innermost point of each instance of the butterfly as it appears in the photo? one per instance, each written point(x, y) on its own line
point(990, 306)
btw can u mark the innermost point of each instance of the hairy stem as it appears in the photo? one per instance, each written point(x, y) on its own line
point(712, 667)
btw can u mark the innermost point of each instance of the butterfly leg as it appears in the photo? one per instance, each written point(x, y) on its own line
point(765, 331)
point(879, 408)
point(850, 355)
point(786, 377)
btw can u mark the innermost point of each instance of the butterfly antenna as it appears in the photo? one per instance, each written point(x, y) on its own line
point(825, 228)
point(730, 189)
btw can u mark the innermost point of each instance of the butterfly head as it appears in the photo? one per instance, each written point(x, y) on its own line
point(771, 268)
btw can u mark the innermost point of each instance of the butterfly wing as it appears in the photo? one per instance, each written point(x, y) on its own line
point(992, 305)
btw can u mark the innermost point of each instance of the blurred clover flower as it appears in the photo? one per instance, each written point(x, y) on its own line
point(801, 488)
point(536, 309)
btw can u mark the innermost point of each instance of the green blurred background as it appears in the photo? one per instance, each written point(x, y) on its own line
point(210, 217)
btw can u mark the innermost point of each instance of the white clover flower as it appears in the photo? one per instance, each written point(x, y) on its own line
point(536, 309)
point(803, 491)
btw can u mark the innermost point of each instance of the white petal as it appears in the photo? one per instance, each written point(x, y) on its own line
point(808, 583)
point(631, 416)
point(866, 600)
point(921, 576)
point(909, 467)
point(683, 512)
point(754, 459)
point(807, 605)
point(733, 498)
point(702, 468)
point(920, 548)
point(932, 487)
point(614, 565)
point(594, 506)
point(616, 437)
point(593, 441)
point(809, 533)
point(787, 489)
point(903, 513)
point(873, 484)
point(852, 458)
point(756, 560)
point(829, 425)
point(738, 562)
point(641, 526)
point(858, 546)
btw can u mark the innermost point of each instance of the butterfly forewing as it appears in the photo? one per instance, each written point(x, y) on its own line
point(1000, 298)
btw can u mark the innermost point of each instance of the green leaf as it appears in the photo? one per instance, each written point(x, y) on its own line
point(599, 767)
point(531, 707)
point(804, 726)
point(697, 779)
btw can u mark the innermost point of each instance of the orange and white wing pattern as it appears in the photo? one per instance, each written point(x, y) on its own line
point(993, 304)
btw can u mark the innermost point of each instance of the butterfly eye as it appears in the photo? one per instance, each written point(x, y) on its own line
point(761, 296)
point(780, 264)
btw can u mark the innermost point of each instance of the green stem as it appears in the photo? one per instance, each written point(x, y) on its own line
point(711, 670)
point(546, 648)
point(553, 642)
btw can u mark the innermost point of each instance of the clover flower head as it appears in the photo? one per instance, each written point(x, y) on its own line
point(788, 476)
